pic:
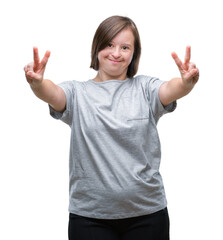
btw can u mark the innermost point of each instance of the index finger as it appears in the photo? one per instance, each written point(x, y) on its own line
point(177, 60)
point(35, 55)
point(45, 59)
point(187, 55)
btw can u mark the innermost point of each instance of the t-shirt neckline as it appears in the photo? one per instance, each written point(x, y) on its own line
point(109, 81)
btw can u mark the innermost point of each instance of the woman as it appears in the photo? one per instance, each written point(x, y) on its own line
point(116, 191)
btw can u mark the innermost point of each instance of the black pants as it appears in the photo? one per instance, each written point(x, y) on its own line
point(149, 227)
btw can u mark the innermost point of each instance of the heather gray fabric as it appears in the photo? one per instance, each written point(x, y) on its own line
point(114, 147)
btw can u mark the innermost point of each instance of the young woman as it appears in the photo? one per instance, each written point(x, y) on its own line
point(116, 190)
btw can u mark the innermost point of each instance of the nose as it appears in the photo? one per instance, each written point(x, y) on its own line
point(116, 52)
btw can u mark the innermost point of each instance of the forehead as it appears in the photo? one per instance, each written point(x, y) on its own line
point(124, 36)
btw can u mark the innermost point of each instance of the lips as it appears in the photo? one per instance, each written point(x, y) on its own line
point(114, 61)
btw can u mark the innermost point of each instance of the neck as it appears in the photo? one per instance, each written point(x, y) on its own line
point(102, 77)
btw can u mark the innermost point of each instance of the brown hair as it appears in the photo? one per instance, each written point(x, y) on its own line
point(106, 31)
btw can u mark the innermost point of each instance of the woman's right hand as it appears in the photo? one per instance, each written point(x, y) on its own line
point(35, 70)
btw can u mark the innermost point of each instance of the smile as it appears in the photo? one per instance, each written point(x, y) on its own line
point(114, 61)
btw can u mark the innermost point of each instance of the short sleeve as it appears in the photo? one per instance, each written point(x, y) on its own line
point(152, 89)
point(67, 116)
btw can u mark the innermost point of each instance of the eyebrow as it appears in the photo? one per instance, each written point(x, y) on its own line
point(126, 44)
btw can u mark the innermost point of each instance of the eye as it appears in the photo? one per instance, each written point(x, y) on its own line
point(125, 48)
point(110, 45)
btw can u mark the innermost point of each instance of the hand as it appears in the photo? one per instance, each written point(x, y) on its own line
point(188, 70)
point(35, 70)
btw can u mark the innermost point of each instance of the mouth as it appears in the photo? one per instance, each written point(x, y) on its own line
point(114, 61)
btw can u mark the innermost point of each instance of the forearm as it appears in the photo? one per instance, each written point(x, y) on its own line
point(50, 93)
point(173, 90)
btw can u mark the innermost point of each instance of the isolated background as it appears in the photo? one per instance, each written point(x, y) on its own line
point(34, 147)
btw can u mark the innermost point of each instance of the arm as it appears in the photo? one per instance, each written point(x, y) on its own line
point(44, 89)
point(179, 87)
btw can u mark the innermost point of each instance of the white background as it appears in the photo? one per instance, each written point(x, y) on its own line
point(34, 147)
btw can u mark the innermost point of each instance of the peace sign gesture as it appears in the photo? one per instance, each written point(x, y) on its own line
point(35, 70)
point(188, 70)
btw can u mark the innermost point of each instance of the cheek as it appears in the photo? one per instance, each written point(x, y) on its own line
point(99, 57)
point(102, 54)
point(130, 58)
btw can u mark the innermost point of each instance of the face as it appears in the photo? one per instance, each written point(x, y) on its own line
point(116, 57)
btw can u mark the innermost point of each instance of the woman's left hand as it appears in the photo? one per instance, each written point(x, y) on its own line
point(188, 70)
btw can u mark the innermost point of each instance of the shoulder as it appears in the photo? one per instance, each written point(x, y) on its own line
point(141, 78)
point(144, 79)
point(67, 84)
point(73, 84)
point(147, 81)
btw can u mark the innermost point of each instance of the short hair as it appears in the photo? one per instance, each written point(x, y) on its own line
point(106, 31)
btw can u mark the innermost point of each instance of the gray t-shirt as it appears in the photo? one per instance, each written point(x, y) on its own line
point(114, 147)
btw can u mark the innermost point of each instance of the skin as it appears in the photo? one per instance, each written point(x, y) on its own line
point(113, 64)
point(44, 89)
point(179, 87)
point(116, 57)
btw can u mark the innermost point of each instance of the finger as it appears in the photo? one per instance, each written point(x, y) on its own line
point(36, 55)
point(187, 55)
point(25, 69)
point(195, 72)
point(191, 66)
point(192, 75)
point(45, 59)
point(177, 61)
point(28, 67)
point(196, 77)
point(32, 76)
point(29, 77)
